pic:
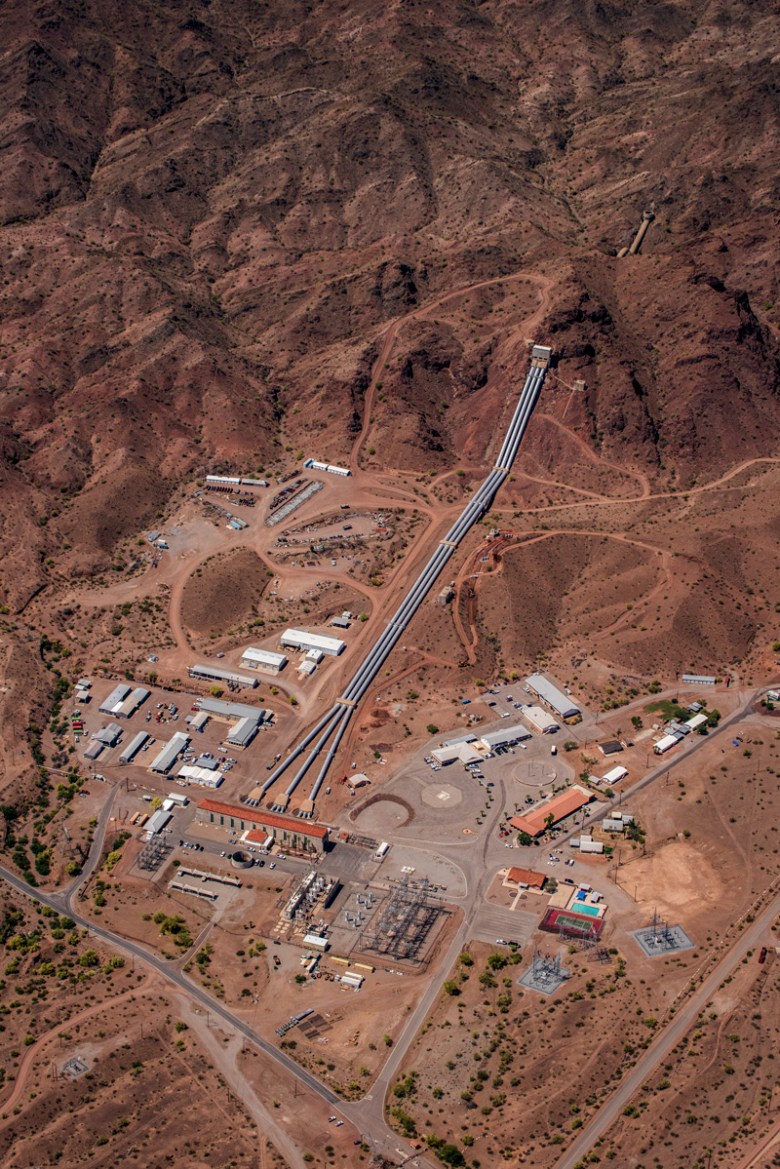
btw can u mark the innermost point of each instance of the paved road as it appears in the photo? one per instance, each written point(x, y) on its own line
point(368, 1114)
point(172, 974)
point(672, 1034)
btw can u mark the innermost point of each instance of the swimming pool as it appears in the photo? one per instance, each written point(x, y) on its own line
point(588, 910)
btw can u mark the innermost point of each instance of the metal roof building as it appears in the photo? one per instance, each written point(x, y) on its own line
point(133, 747)
point(301, 639)
point(666, 743)
point(469, 737)
point(131, 704)
point(264, 660)
point(244, 731)
point(461, 751)
point(699, 679)
point(156, 823)
point(615, 775)
point(94, 750)
point(201, 775)
point(115, 699)
point(552, 695)
point(539, 719)
point(109, 734)
point(213, 674)
point(504, 737)
point(165, 760)
point(229, 710)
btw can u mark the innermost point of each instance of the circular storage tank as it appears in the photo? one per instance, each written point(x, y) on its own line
point(241, 860)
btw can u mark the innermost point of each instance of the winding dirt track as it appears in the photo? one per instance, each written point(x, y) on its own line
point(391, 331)
point(32, 1053)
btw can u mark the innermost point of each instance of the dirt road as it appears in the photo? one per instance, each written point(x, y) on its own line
point(662, 1046)
point(43, 1041)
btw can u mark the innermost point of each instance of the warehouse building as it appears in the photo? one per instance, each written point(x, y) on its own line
point(698, 721)
point(331, 468)
point(244, 731)
point(94, 750)
point(301, 639)
point(301, 835)
point(133, 747)
point(115, 699)
point(165, 760)
point(540, 720)
point(699, 679)
point(213, 674)
point(131, 704)
point(156, 823)
point(504, 738)
point(463, 752)
point(550, 694)
point(537, 821)
point(200, 775)
point(219, 708)
point(109, 735)
point(265, 661)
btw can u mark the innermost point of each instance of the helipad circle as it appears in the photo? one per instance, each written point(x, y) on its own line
point(441, 795)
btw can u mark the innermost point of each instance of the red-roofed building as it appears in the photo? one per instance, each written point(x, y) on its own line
point(527, 877)
point(289, 832)
point(257, 836)
point(535, 822)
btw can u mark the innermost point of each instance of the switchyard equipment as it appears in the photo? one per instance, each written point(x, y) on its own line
point(332, 727)
point(401, 926)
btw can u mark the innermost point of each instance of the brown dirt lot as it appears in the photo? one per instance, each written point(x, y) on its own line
point(224, 591)
point(717, 1091)
point(533, 1067)
point(149, 1094)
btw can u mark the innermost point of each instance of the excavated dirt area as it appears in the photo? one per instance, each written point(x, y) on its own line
point(224, 591)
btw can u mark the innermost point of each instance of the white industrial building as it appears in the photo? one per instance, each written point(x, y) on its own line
point(164, 761)
point(699, 679)
point(130, 705)
point(504, 738)
point(539, 719)
point(227, 711)
point(198, 721)
point(463, 752)
point(112, 703)
point(698, 720)
point(156, 823)
point(307, 668)
point(201, 775)
point(666, 743)
point(133, 747)
point(331, 468)
point(300, 639)
point(242, 734)
point(214, 674)
point(615, 775)
point(263, 660)
point(553, 696)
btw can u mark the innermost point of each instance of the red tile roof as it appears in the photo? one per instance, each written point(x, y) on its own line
point(526, 877)
point(560, 806)
point(265, 819)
